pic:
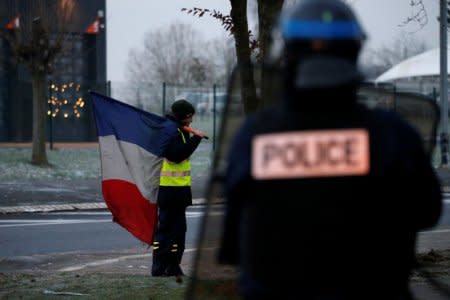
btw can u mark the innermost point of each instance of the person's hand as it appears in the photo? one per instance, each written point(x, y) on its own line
point(200, 133)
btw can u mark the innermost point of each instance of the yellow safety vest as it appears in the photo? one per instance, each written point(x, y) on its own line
point(173, 174)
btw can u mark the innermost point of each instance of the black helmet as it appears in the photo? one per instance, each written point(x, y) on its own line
point(182, 109)
point(322, 40)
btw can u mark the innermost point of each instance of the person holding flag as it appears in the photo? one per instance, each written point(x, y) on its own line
point(146, 180)
point(175, 193)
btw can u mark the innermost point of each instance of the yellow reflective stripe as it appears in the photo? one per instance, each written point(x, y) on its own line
point(175, 173)
point(182, 135)
point(155, 245)
point(175, 181)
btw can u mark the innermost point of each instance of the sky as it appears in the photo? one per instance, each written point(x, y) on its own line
point(127, 22)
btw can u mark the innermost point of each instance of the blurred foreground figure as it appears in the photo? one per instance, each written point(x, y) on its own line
point(324, 197)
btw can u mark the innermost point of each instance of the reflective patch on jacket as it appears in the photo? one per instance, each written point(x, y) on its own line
point(176, 174)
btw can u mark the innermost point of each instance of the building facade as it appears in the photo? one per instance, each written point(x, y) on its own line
point(79, 67)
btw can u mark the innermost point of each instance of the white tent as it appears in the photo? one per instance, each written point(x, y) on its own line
point(424, 64)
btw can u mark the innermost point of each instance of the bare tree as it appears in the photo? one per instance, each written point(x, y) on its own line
point(36, 45)
point(418, 15)
point(223, 57)
point(170, 55)
point(177, 55)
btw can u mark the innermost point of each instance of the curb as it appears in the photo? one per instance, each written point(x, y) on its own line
point(66, 207)
point(102, 205)
point(51, 207)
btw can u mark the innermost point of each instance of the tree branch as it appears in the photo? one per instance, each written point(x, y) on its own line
point(420, 16)
point(226, 22)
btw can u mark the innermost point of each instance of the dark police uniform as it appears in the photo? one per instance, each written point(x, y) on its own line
point(173, 198)
point(324, 197)
point(329, 234)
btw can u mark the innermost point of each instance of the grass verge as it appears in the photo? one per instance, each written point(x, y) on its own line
point(73, 163)
point(89, 286)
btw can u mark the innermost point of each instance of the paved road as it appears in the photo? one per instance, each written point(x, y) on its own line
point(83, 240)
point(45, 233)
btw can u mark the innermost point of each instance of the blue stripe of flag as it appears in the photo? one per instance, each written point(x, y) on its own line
point(130, 124)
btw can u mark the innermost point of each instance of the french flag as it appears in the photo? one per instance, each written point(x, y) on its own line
point(131, 142)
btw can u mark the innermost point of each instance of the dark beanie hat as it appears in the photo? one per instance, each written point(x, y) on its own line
point(182, 109)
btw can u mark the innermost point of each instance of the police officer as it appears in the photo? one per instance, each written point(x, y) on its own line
point(174, 194)
point(324, 197)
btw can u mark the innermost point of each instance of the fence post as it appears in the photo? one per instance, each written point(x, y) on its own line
point(214, 117)
point(443, 82)
point(164, 99)
point(50, 117)
point(108, 88)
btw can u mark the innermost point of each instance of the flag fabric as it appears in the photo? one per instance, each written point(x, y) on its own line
point(93, 28)
point(131, 143)
point(14, 23)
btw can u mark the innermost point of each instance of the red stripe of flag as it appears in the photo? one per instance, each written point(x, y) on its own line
point(130, 209)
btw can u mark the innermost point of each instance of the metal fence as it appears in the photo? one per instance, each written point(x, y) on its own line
point(208, 101)
point(70, 119)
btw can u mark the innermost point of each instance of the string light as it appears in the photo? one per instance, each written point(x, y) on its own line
point(61, 100)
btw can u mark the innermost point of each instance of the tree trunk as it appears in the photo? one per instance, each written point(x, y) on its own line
point(241, 38)
point(268, 13)
point(39, 154)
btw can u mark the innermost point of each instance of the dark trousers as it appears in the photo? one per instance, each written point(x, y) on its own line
point(169, 241)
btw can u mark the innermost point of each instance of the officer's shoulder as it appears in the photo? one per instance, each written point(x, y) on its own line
point(393, 120)
point(387, 115)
